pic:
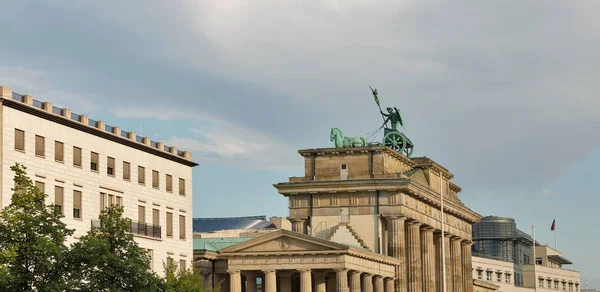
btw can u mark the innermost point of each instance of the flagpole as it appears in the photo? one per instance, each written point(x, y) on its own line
point(443, 239)
point(535, 280)
point(555, 246)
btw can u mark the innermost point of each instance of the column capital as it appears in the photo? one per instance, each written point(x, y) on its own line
point(233, 271)
point(378, 276)
point(455, 238)
point(466, 242)
point(395, 217)
point(303, 270)
point(367, 275)
point(427, 228)
point(340, 270)
point(354, 272)
point(414, 223)
point(296, 219)
point(269, 270)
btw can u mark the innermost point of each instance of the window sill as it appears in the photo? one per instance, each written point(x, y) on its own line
point(127, 179)
point(79, 219)
point(20, 150)
point(78, 166)
point(40, 156)
point(182, 195)
point(170, 191)
point(141, 184)
point(59, 161)
point(111, 175)
point(94, 171)
point(156, 188)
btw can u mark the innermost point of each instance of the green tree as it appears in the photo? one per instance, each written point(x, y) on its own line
point(31, 239)
point(186, 280)
point(108, 259)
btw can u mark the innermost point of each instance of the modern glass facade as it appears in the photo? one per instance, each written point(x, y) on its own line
point(498, 238)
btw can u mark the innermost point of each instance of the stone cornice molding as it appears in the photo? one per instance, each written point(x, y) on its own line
point(412, 188)
point(427, 163)
point(375, 149)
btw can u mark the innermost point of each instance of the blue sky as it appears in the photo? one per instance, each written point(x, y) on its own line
point(504, 94)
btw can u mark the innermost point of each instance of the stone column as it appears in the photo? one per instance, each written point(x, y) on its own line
point(320, 285)
point(390, 285)
point(341, 277)
point(397, 249)
point(354, 281)
point(428, 259)
point(467, 266)
point(379, 284)
point(437, 242)
point(457, 264)
point(235, 281)
point(305, 280)
point(270, 283)
point(298, 225)
point(367, 283)
point(208, 280)
point(449, 270)
point(285, 281)
point(413, 255)
point(250, 282)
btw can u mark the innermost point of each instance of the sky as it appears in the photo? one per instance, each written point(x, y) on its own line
point(502, 93)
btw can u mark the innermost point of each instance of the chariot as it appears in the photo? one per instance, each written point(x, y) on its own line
point(397, 141)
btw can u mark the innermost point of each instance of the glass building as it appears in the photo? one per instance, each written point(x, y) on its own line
point(498, 238)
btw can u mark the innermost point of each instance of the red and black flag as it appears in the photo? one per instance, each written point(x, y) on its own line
point(553, 225)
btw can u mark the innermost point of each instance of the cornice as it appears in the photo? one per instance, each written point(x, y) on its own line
point(352, 150)
point(428, 163)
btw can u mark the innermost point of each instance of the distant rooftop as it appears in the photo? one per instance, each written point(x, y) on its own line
point(115, 132)
point(228, 223)
point(216, 244)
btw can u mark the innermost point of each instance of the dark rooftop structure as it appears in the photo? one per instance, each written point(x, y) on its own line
point(229, 223)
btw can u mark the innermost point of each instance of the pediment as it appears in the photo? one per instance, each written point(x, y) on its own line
point(284, 241)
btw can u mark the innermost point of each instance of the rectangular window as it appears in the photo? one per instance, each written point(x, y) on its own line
point(76, 156)
point(182, 187)
point(58, 198)
point(488, 276)
point(59, 151)
point(151, 258)
point(181, 265)
point(155, 217)
point(76, 204)
point(103, 202)
point(107, 200)
point(40, 146)
point(119, 201)
point(94, 161)
point(181, 227)
point(169, 183)
point(169, 224)
point(155, 179)
point(19, 140)
point(540, 282)
point(507, 278)
point(141, 175)
point(142, 214)
point(40, 185)
point(499, 277)
point(110, 166)
point(126, 171)
point(479, 274)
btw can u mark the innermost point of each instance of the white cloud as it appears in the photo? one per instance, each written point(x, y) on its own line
point(217, 141)
point(39, 84)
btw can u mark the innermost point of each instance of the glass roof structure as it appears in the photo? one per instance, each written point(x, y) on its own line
point(229, 223)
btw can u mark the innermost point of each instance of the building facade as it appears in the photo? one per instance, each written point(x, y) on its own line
point(85, 165)
point(379, 200)
point(503, 254)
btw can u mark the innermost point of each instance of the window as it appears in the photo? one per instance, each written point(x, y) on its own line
point(110, 166)
point(182, 187)
point(59, 151)
point(181, 227)
point(507, 278)
point(76, 156)
point(538, 261)
point(155, 217)
point(141, 175)
point(110, 200)
point(549, 283)
point(142, 214)
point(58, 198)
point(76, 204)
point(155, 179)
point(151, 258)
point(499, 277)
point(540, 282)
point(479, 274)
point(94, 161)
point(556, 285)
point(488, 275)
point(181, 265)
point(570, 286)
point(40, 185)
point(169, 224)
point(126, 171)
point(19, 140)
point(169, 183)
point(564, 286)
point(39, 146)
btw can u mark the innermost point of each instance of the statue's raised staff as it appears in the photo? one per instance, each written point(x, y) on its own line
point(391, 136)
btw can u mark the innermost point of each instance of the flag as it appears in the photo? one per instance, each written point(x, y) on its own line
point(553, 225)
